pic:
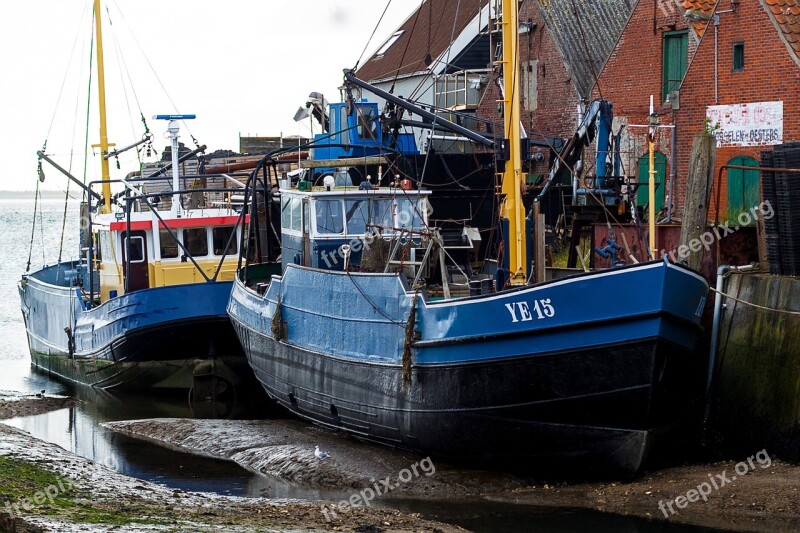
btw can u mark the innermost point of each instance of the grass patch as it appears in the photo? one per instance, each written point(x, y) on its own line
point(50, 494)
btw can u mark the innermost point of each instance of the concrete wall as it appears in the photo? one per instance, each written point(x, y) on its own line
point(757, 400)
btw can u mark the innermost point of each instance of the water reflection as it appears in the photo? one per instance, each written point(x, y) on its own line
point(77, 429)
point(496, 517)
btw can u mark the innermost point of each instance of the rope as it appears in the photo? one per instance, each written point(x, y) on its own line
point(757, 306)
point(374, 307)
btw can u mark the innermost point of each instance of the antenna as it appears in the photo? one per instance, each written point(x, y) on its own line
point(173, 130)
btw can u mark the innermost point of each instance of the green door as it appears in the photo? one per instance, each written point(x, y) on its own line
point(744, 189)
point(643, 194)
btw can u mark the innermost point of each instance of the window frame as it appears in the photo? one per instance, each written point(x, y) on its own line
point(738, 45)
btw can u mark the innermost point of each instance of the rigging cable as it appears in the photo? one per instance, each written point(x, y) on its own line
point(35, 210)
point(447, 63)
point(123, 72)
point(372, 35)
point(185, 124)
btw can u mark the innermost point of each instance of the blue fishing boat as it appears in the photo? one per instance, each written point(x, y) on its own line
point(380, 327)
point(144, 306)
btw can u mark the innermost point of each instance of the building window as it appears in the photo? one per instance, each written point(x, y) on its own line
point(738, 57)
point(673, 66)
point(388, 44)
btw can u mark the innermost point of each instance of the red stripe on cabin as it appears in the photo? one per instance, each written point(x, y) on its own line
point(181, 223)
point(122, 226)
point(199, 222)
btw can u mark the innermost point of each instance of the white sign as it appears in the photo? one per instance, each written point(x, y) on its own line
point(754, 124)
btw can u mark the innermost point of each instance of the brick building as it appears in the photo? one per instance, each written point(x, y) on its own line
point(736, 63)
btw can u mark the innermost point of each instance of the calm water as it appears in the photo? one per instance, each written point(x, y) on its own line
point(16, 218)
point(77, 429)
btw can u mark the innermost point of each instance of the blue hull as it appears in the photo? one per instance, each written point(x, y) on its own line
point(583, 368)
point(159, 337)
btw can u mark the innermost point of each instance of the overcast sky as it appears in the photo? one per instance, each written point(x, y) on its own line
point(242, 66)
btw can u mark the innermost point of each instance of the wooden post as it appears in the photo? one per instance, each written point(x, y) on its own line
point(761, 236)
point(698, 192)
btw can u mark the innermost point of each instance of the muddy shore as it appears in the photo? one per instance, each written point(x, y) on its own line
point(13, 404)
point(45, 488)
point(760, 495)
point(766, 497)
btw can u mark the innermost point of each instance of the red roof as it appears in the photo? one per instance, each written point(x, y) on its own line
point(702, 7)
point(785, 15)
point(427, 31)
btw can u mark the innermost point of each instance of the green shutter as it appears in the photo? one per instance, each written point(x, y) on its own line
point(673, 66)
point(643, 193)
point(744, 189)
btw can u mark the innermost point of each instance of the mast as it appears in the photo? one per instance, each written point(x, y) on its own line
point(512, 207)
point(101, 95)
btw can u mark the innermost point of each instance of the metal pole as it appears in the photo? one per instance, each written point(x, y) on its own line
point(173, 130)
point(651, 213)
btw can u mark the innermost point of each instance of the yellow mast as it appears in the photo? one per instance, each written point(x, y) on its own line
point(512, 207)
point(101, 95)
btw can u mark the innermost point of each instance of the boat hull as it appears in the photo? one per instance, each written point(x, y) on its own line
point(174, 337)
point(494, 392)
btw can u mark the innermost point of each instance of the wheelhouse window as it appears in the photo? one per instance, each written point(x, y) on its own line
point(104, 246)
point(410, 213)
point(329, 216)
point(296, 218)
point(196, 241)
point(291, 218)
point(168, 245)
point(221, 237)
point(135, 247)
point(382, 213)
point(286, 212)
point(357, 212)
point(367, 126)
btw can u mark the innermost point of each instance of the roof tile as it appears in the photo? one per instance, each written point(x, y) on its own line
point(706, 8)
point(785, 14)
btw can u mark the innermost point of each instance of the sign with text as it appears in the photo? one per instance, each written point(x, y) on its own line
point(754, 124)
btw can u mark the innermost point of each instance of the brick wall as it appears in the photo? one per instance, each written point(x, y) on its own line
point(634, 72)
point(557, 100)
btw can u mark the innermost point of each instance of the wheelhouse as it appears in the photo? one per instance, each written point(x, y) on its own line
point(149, 251)
point(330, 229)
